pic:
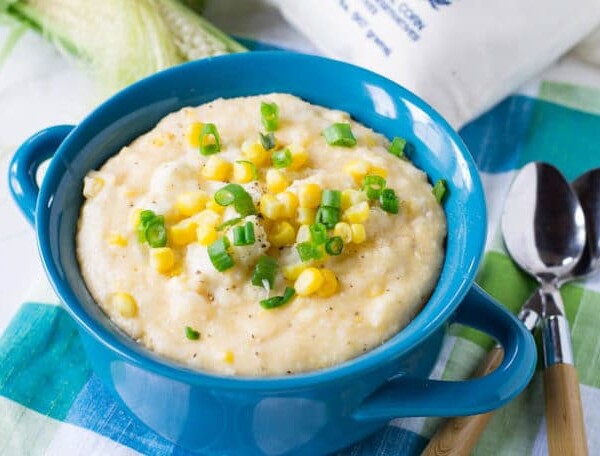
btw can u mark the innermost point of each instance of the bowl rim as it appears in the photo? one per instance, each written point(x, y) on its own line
point(160, 365)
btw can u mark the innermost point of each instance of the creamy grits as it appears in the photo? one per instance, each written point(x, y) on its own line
point(260, 236)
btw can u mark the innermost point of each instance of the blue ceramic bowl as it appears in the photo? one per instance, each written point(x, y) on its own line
point(310, 413)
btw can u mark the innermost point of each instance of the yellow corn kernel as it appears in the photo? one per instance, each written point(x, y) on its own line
point(117, 240)
point(358, 169)
point(125, 304)
point(215, 207)
point(162, 259)
point(291, 272)
point(190, 203)
point(309, 195)
point(192, 135)
point(183, 233)
point(134, 218)
point(276, 181)
point(358, 233)
point(282, 234)
point(290, 203)
point(271, 207)
point(303, 234)
point(207, 217)
point(343, 230)
point(206, 234)
point(306, 216)
point(299, 156)
point(351, 197)
point(228, 357)
point(217, 169)
point(378, 171)
point(359, 213)
point(242, 172)
point(254, 151)
point(309, 281)
point(92, 186)
point(330, 284)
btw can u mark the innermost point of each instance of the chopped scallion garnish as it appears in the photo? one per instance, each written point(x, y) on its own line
point(389, 201)
point(309, 251)
point(265, 269)
point(244, 235)
point(236, 194)
point(439, 190)
point(373, 186)
point(339, 134)
point(331, 198)
point(334, 245)
point(278, 301)
point(191, 333)
point(397, 147)
point(318, 233)
point(282, 158)
point(228, 223)
point(210, 142)
point(328, 216)
point(269, 113)
point(219, 256)
point(151, 229)
point(268, 140)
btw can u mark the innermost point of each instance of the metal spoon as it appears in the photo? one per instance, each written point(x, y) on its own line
point(458, 436)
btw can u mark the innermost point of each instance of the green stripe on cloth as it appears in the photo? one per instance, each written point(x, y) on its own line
point(43, 364)
point(574, 96)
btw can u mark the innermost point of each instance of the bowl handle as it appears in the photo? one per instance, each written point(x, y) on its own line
point(25, 163)
point(409, 396)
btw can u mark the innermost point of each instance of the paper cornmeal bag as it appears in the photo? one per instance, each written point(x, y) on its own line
point(461, 56)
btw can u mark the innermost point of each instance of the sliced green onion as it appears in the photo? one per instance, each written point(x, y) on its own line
point(278, 301)
point(265, 269)
point(439, 190)
point(209, 130)
point(331, 198)
point(145, 217)
point(241, 199)
point(269, 113)
point(339, 134)
point(268, 140)
point(309, 251)
point(228, 223)
point(155, 232)
point(252, 167)
point(389, 201)
point(318, 233)
point(397, 147)
point(224, 197)
point(219, 257)
point(282, 158)
point(373, 186)
point(334, 245)
point(191, 333)
point(328, 216)
point(244, 235)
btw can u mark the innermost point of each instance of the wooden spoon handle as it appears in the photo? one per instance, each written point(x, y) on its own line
point(458, 436)
point(564, 416)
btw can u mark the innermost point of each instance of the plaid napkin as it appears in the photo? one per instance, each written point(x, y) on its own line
point(52, 403)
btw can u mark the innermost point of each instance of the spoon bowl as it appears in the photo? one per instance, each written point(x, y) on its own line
point(543, 223)
point(587, 188)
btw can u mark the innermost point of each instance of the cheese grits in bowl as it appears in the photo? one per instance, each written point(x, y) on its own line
point(261, 253)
